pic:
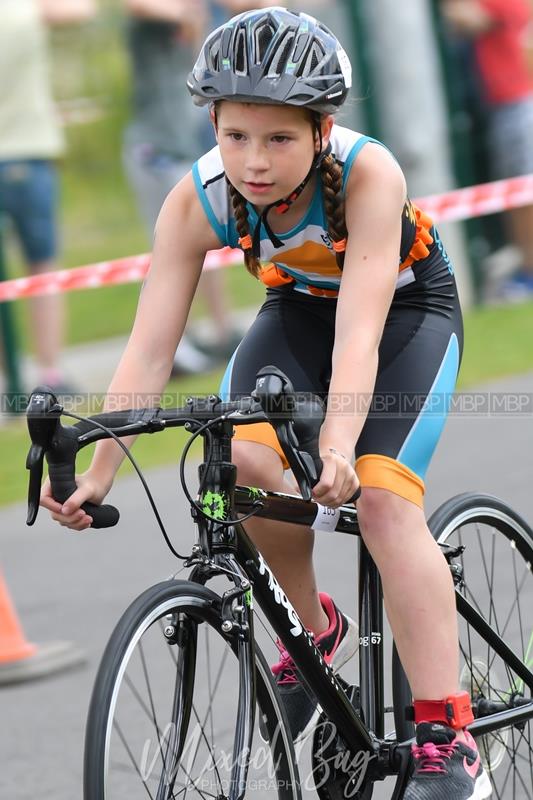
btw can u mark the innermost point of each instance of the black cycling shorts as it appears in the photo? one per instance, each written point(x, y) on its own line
point(419, 357)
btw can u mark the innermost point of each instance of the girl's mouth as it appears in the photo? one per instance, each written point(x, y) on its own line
point(258, 188)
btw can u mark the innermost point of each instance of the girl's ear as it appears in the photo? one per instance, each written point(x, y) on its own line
point(327, 122)
point(326, 125)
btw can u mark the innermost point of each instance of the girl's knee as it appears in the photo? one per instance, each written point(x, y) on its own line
point(257, 465)
point(381, 512)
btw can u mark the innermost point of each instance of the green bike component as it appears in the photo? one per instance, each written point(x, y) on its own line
point(215, 505)
point(249, 599)
point(518, 685)
point(254, 493)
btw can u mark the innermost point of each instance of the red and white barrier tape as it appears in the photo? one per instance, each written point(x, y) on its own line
point(461, 204)
point(476, 201)
point(106, 273)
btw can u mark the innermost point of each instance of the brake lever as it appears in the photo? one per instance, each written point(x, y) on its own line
point(42, 415)
point(34, 462)
point(275, 393)
point(297, 424)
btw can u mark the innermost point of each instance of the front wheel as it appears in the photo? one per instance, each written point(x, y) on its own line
point(163, 712)
point(493, 567)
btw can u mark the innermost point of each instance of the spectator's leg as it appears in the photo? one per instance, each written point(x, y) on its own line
point(48, 329)
point(521, 222)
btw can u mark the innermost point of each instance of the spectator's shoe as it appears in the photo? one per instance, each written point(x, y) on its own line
point(445, 768)
point(518, 288)
point(220, 351)
point(189, 360)
point(337, 645)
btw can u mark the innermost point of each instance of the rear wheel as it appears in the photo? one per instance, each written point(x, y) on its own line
point(163, 715)
point(494, 565)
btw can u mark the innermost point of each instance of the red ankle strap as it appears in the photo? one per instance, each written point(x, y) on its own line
point(455, 711)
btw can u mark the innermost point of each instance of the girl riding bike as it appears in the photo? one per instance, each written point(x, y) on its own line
point(361, 308)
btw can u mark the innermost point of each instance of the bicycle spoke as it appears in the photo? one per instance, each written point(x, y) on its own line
point(151, 699)
point(141, 702)
point(202, 724)
point(126, 747)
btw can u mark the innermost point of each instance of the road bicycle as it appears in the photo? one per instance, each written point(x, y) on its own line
point(184, 701)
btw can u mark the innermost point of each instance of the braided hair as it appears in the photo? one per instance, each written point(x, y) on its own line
point(334, 206)
point(240, 212)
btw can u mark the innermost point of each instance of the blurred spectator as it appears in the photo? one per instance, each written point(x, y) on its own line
point(500, 30)
point(30, 141)
point(164, 137)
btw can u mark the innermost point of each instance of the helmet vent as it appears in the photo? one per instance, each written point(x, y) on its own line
point(214, 57)
point(281, 57)
point(315, 56)
point(272, 56)
point(240, 53)
point(263, 36)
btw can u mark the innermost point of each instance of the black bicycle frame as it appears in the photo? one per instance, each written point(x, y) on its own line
point(230, 544)
point(289, 508)
point(218, 475)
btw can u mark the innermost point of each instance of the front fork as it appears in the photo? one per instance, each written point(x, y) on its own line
point(237, 625)
point(237, 615)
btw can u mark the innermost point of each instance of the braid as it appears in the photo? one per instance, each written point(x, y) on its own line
point(331, 175)
point(240, 212)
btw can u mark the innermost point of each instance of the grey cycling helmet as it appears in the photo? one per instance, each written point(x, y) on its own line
point(272, 56)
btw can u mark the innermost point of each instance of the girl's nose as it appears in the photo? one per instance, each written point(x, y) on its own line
point(257, 159)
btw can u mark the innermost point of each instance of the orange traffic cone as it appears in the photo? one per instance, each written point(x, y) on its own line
point(13, 644)
point(22, 661)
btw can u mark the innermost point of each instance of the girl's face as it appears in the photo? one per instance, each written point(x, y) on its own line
point(266, 150)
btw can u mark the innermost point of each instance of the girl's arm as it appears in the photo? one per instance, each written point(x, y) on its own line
point(183, 235)
point(375, 197)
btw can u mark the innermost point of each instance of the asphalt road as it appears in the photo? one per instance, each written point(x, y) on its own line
point(74, 587)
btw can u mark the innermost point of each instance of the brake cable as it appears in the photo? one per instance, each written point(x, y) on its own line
point(256, 505)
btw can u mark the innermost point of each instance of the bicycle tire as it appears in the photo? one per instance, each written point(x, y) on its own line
point(115, 768)
point(493, 535)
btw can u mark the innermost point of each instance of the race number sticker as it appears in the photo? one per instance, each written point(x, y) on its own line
point(326, 518)
point(346, 67)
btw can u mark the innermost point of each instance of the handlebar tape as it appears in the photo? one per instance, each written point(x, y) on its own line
point(64, 485)
point(61, 461)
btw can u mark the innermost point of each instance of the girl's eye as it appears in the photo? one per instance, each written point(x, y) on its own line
point(280, 139)
point(237, 137)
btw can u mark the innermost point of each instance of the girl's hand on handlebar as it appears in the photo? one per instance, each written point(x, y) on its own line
point(338, 481)
point(70, 514)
